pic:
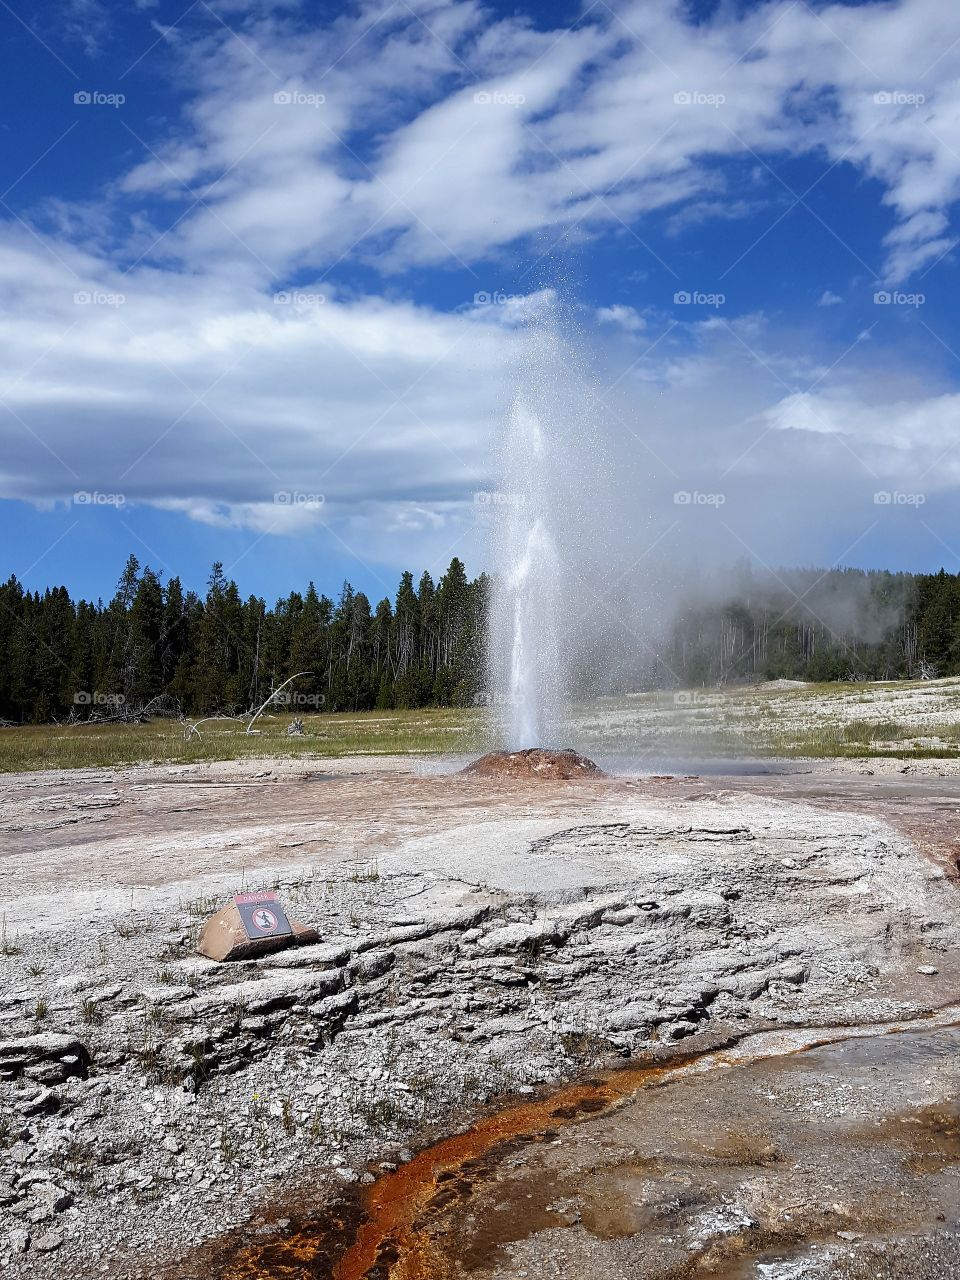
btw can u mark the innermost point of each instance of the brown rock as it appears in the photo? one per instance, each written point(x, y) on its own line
point(535, 762)
point(224, 937)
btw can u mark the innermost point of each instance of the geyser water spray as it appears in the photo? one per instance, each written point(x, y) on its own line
point(537, 516)
point(527, 588)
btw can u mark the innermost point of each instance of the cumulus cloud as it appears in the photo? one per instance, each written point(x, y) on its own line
point(623, 317)
point(235, 407)
point(734, 437)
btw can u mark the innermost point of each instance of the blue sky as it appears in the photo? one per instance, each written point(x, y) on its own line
point(265, 272)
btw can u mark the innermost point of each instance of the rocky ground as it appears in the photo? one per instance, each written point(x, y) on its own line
point(474, 946)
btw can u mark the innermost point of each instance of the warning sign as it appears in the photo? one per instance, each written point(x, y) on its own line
point(262, 915)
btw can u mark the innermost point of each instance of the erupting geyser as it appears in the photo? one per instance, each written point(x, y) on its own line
point(526, 613)
point(526, 654)
point(537, 517)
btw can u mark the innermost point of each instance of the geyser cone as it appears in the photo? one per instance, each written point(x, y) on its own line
point(535, 762)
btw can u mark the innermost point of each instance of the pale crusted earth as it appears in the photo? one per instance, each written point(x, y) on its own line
point(476, 942)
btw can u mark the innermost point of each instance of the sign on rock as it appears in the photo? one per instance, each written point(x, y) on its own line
point(262, 915)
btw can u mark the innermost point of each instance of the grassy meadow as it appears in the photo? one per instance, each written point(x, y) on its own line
point(911, 720)
point(424, 732)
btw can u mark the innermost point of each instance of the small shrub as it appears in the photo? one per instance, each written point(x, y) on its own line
point(368, 874)
point(228, 1149)
point(8, 946)
point(584, 1044)
point(91, 1013)
point(238, 1008)
point(286, 1116)
point(154, 1015)
point(382, 1113)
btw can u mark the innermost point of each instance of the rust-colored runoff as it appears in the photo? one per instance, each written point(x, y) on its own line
point(392, 1240)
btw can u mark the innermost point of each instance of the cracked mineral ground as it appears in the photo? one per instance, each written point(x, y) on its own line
point(634, 1027)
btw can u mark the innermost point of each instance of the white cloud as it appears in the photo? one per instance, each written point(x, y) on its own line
point(373, 419)
point(910, 442)
point(88, 23)
point(213, 399)
point(829, 299)
point(737, 402)
point(622, 317)
point(279, 517)
point(533, 131)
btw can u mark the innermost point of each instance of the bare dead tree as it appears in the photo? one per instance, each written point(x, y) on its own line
point(190, 729)
point(274, 694)
point(117, 711)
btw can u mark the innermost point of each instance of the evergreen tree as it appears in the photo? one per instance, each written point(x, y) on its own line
point(307, 647)
point(145, 641)
point(119, 671)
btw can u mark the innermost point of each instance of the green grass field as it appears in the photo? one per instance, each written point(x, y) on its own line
point(165, 742)
point(912, 721)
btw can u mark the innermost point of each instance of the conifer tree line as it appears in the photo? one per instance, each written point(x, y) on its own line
point(158, 647)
